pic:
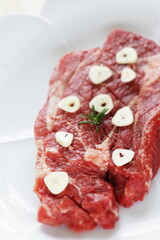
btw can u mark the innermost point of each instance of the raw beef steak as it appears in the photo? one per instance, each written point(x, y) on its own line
point(96, 185)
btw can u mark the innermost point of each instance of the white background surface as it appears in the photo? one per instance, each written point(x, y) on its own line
point(20, 6)
point(29, 48)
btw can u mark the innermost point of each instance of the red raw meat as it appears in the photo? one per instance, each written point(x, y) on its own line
point(97, 185)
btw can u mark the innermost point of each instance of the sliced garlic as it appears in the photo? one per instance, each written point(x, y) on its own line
point(56, 182)
point(99, 74)
point(123, 117)
point(122, 156)
point(64, 138)
point(126, 55)
point(127, 75)
point(101, 102)
point(69, 104)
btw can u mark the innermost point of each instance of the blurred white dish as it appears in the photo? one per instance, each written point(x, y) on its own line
point(30, 47)
point(86, 23)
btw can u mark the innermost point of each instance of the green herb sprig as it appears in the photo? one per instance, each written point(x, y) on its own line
point(95, 118)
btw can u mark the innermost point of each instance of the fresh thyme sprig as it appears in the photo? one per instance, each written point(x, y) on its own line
point(95, 118)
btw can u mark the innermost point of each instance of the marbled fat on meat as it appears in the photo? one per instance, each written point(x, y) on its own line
point(96, 185)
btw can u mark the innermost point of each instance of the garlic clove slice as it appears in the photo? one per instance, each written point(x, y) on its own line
point(56, 182)
point(128, 75)
point(126, 55)
point(64, 138)
point(101, 102)
point(123, 117)
point(69, 104)
point(122, 156)
point(99, 74)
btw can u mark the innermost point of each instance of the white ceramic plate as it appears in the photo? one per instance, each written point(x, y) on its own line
point(29, 48)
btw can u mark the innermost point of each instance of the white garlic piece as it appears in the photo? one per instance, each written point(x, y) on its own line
point(123, 117)
point(99, 74)
point(122, 156)
point(69, 104)
point(64, 138)
point(128, 75)
point(126, 55)
point(101, 102)
point(56, 182)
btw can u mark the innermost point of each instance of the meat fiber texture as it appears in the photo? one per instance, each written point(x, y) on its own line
point(96, 185)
